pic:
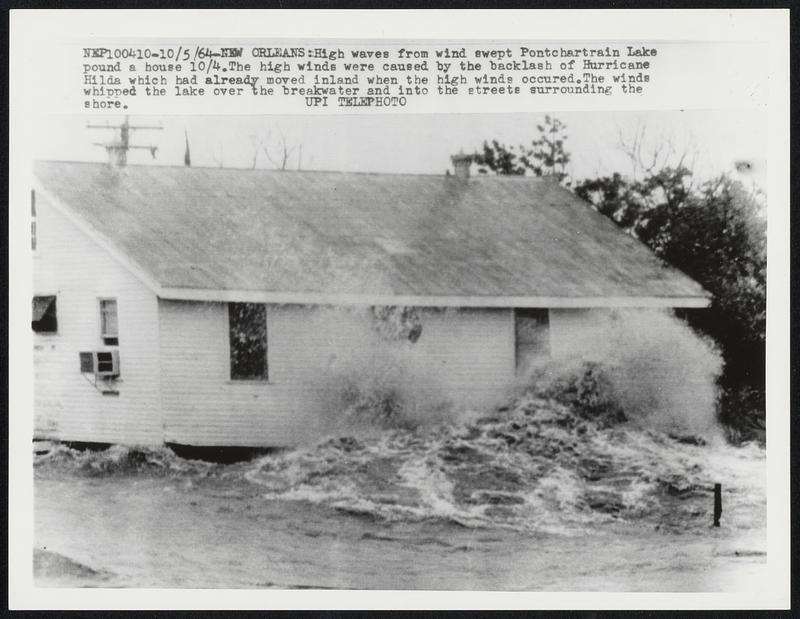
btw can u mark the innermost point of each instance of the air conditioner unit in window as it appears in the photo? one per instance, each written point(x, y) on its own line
point(101, 363)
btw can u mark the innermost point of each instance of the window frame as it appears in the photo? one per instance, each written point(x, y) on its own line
point(55, 318)
point(108, 339)
point(264, 378)
point(543, 344)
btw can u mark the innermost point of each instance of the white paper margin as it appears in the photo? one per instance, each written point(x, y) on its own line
point(31, 29)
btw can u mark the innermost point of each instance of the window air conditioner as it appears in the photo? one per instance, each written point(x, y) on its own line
point(101, 363)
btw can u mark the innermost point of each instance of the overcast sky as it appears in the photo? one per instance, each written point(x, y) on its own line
point(414, 143)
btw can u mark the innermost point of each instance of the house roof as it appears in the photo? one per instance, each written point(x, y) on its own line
point(233, 234)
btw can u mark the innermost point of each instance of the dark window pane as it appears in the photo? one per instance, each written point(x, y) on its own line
point(44, 315)
point(532, 334)
point(248, 340)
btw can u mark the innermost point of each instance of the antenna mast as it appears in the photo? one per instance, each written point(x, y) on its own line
point(117, 150)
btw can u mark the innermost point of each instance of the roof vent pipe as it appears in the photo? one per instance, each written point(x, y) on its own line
point(461, 165)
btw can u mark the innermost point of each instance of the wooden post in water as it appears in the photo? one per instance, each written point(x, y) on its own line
point(717, 503)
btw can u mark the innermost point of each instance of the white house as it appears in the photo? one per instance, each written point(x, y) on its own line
point(180, 305)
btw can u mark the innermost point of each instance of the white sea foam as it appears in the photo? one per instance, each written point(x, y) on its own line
point(535, 467)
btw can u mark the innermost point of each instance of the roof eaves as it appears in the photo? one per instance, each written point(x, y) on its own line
point(315, 298)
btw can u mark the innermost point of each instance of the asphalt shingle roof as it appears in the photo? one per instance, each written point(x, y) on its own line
point(383, 234)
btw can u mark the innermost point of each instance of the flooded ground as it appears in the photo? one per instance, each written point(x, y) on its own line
point(529, 499)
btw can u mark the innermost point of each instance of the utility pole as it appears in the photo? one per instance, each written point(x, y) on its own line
point(117, 150)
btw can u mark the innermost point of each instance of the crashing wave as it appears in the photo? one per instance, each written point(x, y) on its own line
point(535, 467)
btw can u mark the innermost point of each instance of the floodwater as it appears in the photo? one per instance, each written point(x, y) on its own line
point(529, 499)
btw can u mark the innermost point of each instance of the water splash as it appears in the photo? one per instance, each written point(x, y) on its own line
point(535, 467)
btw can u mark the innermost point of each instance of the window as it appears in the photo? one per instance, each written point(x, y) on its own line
point(248, 341)
point(44, 315)
point(33, 220)
point(532, 327)
point(109, 324)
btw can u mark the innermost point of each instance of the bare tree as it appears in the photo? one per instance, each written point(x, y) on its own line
point(278, 149)
point(649, 155)
point(282, 151)
point(257, 142)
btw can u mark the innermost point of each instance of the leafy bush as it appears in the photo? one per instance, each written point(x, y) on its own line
point(742, 414)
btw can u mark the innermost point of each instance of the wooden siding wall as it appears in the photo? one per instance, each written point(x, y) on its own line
point(202, 406)
point(70, 265)
point(474, 350)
